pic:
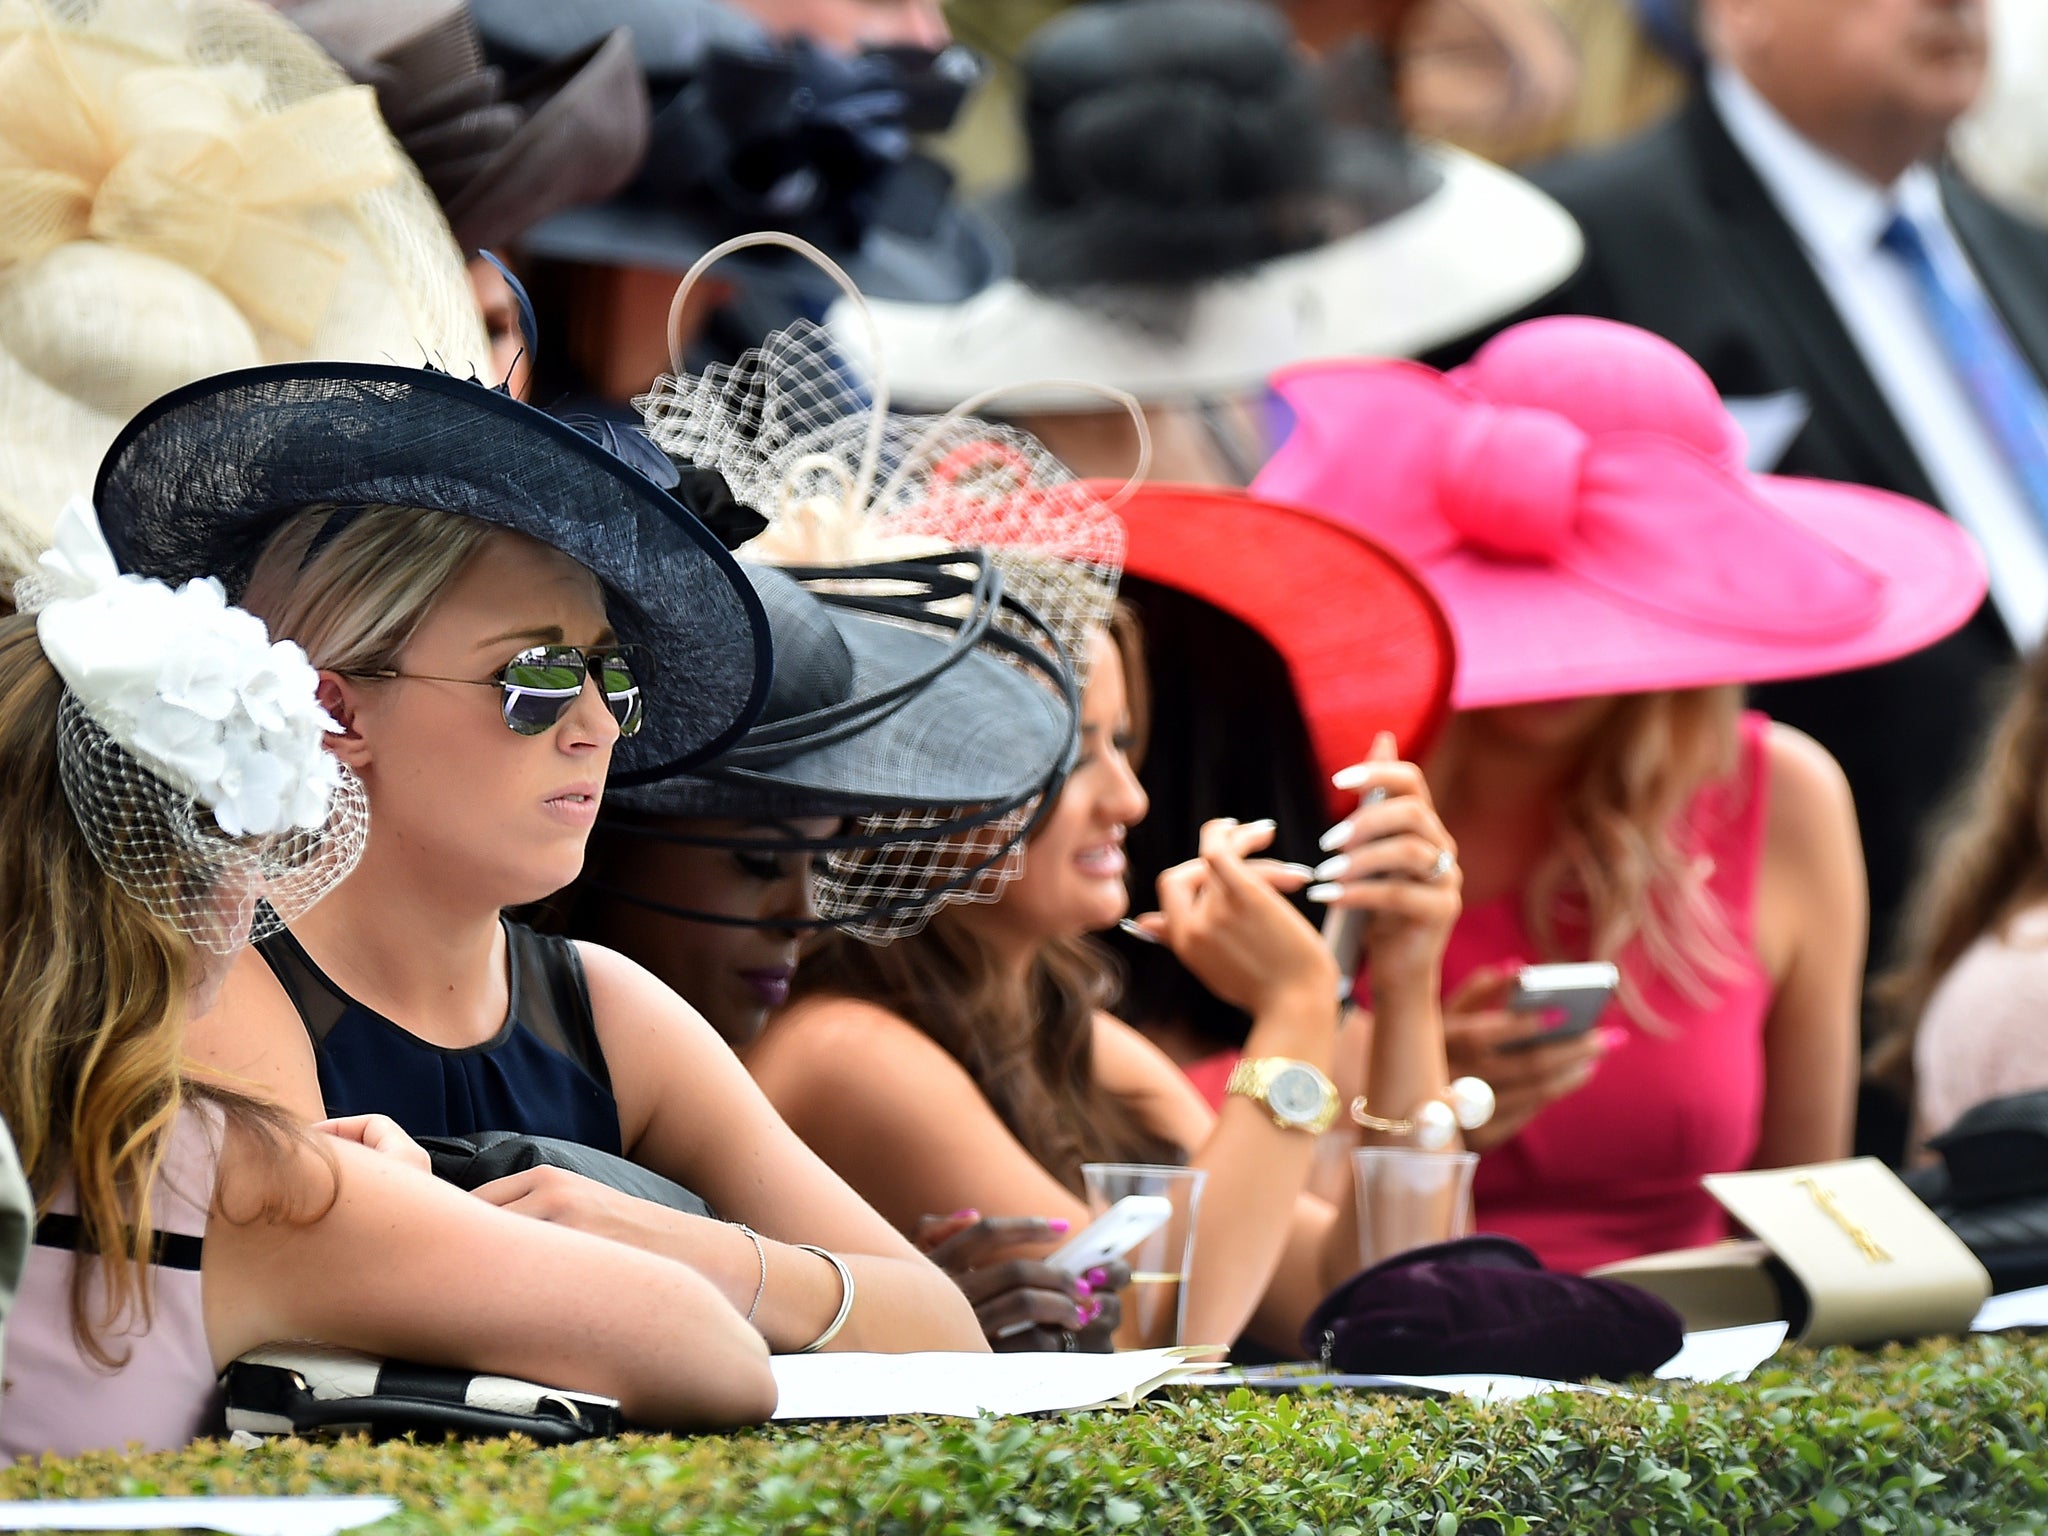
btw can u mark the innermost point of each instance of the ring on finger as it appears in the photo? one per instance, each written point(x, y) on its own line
point(1445, 862)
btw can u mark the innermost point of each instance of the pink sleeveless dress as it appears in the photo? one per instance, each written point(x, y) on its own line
point(1612, 1171)
point(57, 1399)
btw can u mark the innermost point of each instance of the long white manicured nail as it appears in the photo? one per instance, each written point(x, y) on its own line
point(1333, 869)
point(1299, 871)
point(1324, 892)
point(1336, 837)
point(1263, 824)
point(1352, 777)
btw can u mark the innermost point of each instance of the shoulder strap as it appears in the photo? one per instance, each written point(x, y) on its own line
point(551, 996)
point(319, 1002)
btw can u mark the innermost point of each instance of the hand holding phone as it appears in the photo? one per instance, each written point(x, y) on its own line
point(1573, 995)
point(1112, 1234)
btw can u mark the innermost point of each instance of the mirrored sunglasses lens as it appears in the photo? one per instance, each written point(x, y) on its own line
point(621, 693)
point(539, 687)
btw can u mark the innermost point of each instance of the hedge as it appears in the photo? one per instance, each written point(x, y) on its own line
point(1940, 1437)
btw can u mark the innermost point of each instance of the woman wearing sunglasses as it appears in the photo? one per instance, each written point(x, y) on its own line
point(503, 616)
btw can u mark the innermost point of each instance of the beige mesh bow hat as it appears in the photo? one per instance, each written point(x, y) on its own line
point(189, 187)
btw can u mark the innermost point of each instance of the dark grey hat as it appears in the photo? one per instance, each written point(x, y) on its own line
point(502, 156)
point(753, 132)
point(894, 691)
point(200, 479)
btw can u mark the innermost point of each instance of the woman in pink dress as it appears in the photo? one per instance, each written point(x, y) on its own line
point(1576, 497)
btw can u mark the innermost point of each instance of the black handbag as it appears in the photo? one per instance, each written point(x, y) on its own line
point(311, 1391)
point(1991, 1187)
point(480, 1157)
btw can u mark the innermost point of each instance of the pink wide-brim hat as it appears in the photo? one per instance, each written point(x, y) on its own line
point(1576, 498)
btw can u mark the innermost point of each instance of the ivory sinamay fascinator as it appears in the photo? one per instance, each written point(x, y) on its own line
point(847, 484)
point(189, 187)
point(191, 749)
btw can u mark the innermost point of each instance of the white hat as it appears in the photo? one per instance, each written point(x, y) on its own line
point(189, 187)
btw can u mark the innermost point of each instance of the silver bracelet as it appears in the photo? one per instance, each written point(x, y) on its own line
point(761, 1253)
point(845, 1299)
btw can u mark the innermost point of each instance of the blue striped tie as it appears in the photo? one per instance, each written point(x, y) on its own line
point(2008, 397)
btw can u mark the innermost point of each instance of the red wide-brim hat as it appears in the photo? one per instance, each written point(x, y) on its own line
point(1575, 496)
point(1366, 645)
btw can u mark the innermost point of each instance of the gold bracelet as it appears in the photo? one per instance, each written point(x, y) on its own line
point(845, 1299)
point(1467, 1104)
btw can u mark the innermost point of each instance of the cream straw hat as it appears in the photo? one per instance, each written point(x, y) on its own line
point(189, 187)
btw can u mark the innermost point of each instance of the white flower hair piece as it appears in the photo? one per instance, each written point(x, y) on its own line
point(191, 686)
point(176, 704)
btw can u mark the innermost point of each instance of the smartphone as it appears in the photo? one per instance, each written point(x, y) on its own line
point(1575, 995)
point(1112, 1234)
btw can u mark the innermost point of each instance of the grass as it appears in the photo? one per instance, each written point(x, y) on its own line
point(1939, 1437)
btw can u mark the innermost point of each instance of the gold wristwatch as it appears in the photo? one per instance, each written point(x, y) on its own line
point(1296, 1094)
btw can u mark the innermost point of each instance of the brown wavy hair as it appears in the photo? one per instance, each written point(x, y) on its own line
point(1615, 873)
point(1030, 1050)
point(92, 1010)
point(1985, 860)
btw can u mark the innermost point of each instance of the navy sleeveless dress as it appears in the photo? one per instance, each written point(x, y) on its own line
point(541, 1074)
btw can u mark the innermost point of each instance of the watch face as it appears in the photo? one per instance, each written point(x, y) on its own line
point(1296, 1094)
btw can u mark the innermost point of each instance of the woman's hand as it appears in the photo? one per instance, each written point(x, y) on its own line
point(1024, 1304)
point(382, 1135)
point(1480, 1038)
point(1226, 920)
point(571, 1200)
point(1393, 860)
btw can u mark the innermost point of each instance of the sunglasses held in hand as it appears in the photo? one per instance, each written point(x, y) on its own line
point(540, 684)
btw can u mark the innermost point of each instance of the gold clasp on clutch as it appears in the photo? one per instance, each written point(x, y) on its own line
point(1859, 1234)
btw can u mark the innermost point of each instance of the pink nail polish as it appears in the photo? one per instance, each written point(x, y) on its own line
point(1612, 1036)
point(1058, 1224)
point(1097, 1278)
point(1080, 1317)
point(1082, 1289)
point(964, 1215)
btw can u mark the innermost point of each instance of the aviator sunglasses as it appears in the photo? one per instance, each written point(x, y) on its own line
point(541, 682)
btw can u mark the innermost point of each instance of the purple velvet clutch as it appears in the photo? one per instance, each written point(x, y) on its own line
point(1487, 1304)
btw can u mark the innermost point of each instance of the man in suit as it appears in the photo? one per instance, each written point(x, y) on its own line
point(1755, 229)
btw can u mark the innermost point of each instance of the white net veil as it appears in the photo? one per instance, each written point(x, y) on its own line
point(164, 848)
point(842, 481)
point(189, 747)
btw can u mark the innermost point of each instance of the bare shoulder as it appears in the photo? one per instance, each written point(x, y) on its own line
point(624, 991)
point(811, 1047)
point(253, 1041)
point(1146, 1079)
point(1810, 804)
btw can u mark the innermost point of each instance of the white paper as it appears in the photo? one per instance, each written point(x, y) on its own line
point(860, 1386)
point(236, 1516)
point(2015, 1309)
point(1724, 1354)
point(1769, 423)
point(1502, 1389)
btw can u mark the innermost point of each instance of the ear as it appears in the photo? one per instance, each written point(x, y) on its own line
point(341, 698)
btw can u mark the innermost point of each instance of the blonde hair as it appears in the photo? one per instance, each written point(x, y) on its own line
point(1987, 859)
point(1615, 872)
point(353, 596)
point(93, 1019)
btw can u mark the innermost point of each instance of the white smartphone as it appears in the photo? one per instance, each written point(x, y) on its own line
point(1575, 994)
point(1112, 1234)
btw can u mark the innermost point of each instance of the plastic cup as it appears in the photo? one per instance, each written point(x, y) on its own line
point(1155, 1303)
point(1408, 1198)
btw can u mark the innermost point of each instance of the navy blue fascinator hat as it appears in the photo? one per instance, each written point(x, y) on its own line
point(197, 483)
point(755, 132)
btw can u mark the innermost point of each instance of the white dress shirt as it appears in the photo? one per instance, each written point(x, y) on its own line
point(1838, 215)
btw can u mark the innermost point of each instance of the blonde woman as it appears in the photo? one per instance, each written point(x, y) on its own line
point(503, 616)
point(165, 773)
point(1971, 993)
point(1576, 497)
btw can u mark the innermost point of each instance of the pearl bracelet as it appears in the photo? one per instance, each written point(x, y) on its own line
point(1466, 1105)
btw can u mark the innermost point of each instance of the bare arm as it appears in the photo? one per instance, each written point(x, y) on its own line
point(1812, 923)
point(689, 1110)
point(404, 1266)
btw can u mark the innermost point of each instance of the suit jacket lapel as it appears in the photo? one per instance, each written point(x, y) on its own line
point(1798, 305)
point(2014, 276)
